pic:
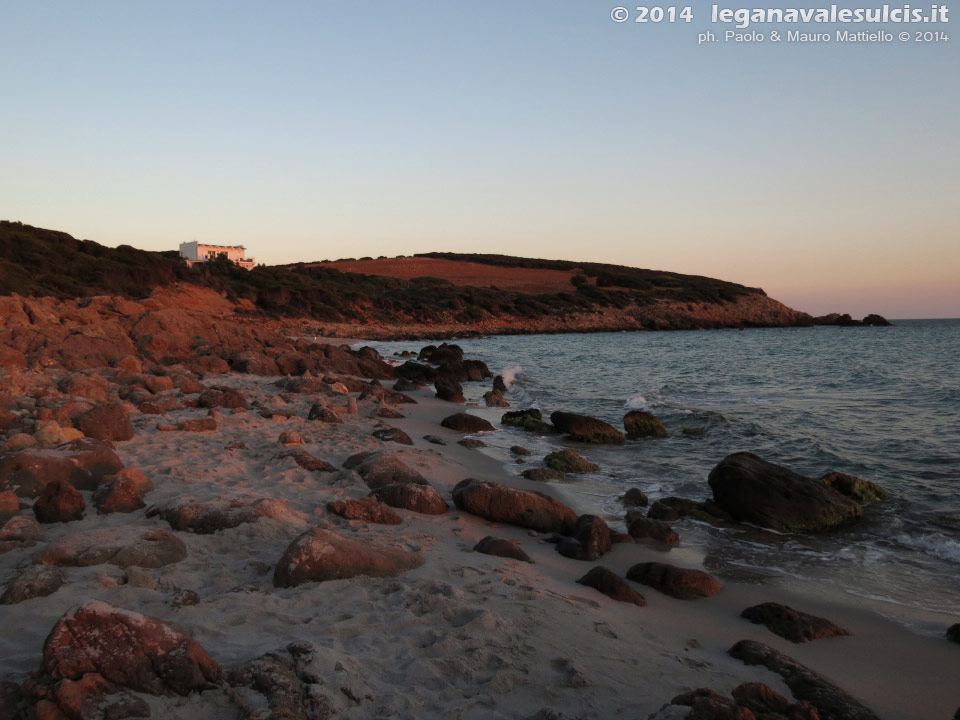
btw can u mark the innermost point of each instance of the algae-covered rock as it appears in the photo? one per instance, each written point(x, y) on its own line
point(863, 491)
point(641, 424)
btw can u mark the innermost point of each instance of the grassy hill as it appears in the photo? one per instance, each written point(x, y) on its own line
point(39, 262)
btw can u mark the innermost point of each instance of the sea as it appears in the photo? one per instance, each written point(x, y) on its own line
point(879, 403)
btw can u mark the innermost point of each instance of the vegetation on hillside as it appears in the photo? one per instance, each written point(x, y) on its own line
point(39, 262)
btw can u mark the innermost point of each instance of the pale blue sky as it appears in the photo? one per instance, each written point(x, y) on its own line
point(309, 130)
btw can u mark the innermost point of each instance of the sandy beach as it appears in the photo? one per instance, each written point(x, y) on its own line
point(464, 635)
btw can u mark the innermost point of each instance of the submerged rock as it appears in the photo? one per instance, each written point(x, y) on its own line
point(634, 497)
point(641, 424)
point(569, 461)
point(858, 489)
point(793, 625)
point(754, 490)
point(530, 419)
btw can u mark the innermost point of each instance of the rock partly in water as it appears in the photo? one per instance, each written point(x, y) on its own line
point(466, 423)
point(642, 528)
point(793, 625)
point(634, 497)
point(676, 582)
point(410, 496)
point(530, 419)
point(542, 474)
point(858, 489)
point(501, 548)
point(569, 461)
point(586, 429)
point(612, 585)
point(319, 555)
point(754, 490)
point(642, 424)
point(471, 443)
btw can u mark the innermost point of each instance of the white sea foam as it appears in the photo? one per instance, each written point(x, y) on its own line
point(510, 374)
point(936, 545)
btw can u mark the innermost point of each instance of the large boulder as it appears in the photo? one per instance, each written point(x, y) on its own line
point(410, 496)
point(379, 468)
point(127, 648)
point(106, 422)
point(501, 503)
point(641, 424)
point(466, 423)
point(91, 387)
point(319, 555)
point(793, 625)
point(680, 583)
point(586, 429)
point(756, 491)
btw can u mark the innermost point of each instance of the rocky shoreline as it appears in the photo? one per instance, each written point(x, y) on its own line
point(200, 517)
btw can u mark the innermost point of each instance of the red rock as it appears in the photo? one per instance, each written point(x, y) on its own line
point(207, 424)
point(123, 547)
point(643, 528)
point(466, 423)
point(59, 502)
point(129, 649)
point(11, 358)
point(91, 387)
point(793, 625)
point(680, 583)
point(320, 555)
point(158, 384)
point(124, 493)
point(612, 585)
point(255, 363)
point(393, 435)
point(586, 429)
point(311, 463)
point(9, 505)
point(130, 364)
point(21, 528)
point(449, 389)
point(591, 539)
point(222, 396)
point(501, 548)
point(411, 496)
point(368, 510)
point(208, 517)
point(501, 503)
point(379, 468)
point(106, 422)
point(760, 698)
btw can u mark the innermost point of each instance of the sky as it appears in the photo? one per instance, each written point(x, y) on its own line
point(825, 173)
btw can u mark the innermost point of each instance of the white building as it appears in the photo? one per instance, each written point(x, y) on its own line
point(194, 252)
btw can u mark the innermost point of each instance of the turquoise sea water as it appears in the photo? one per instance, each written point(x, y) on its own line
point(880, 403)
